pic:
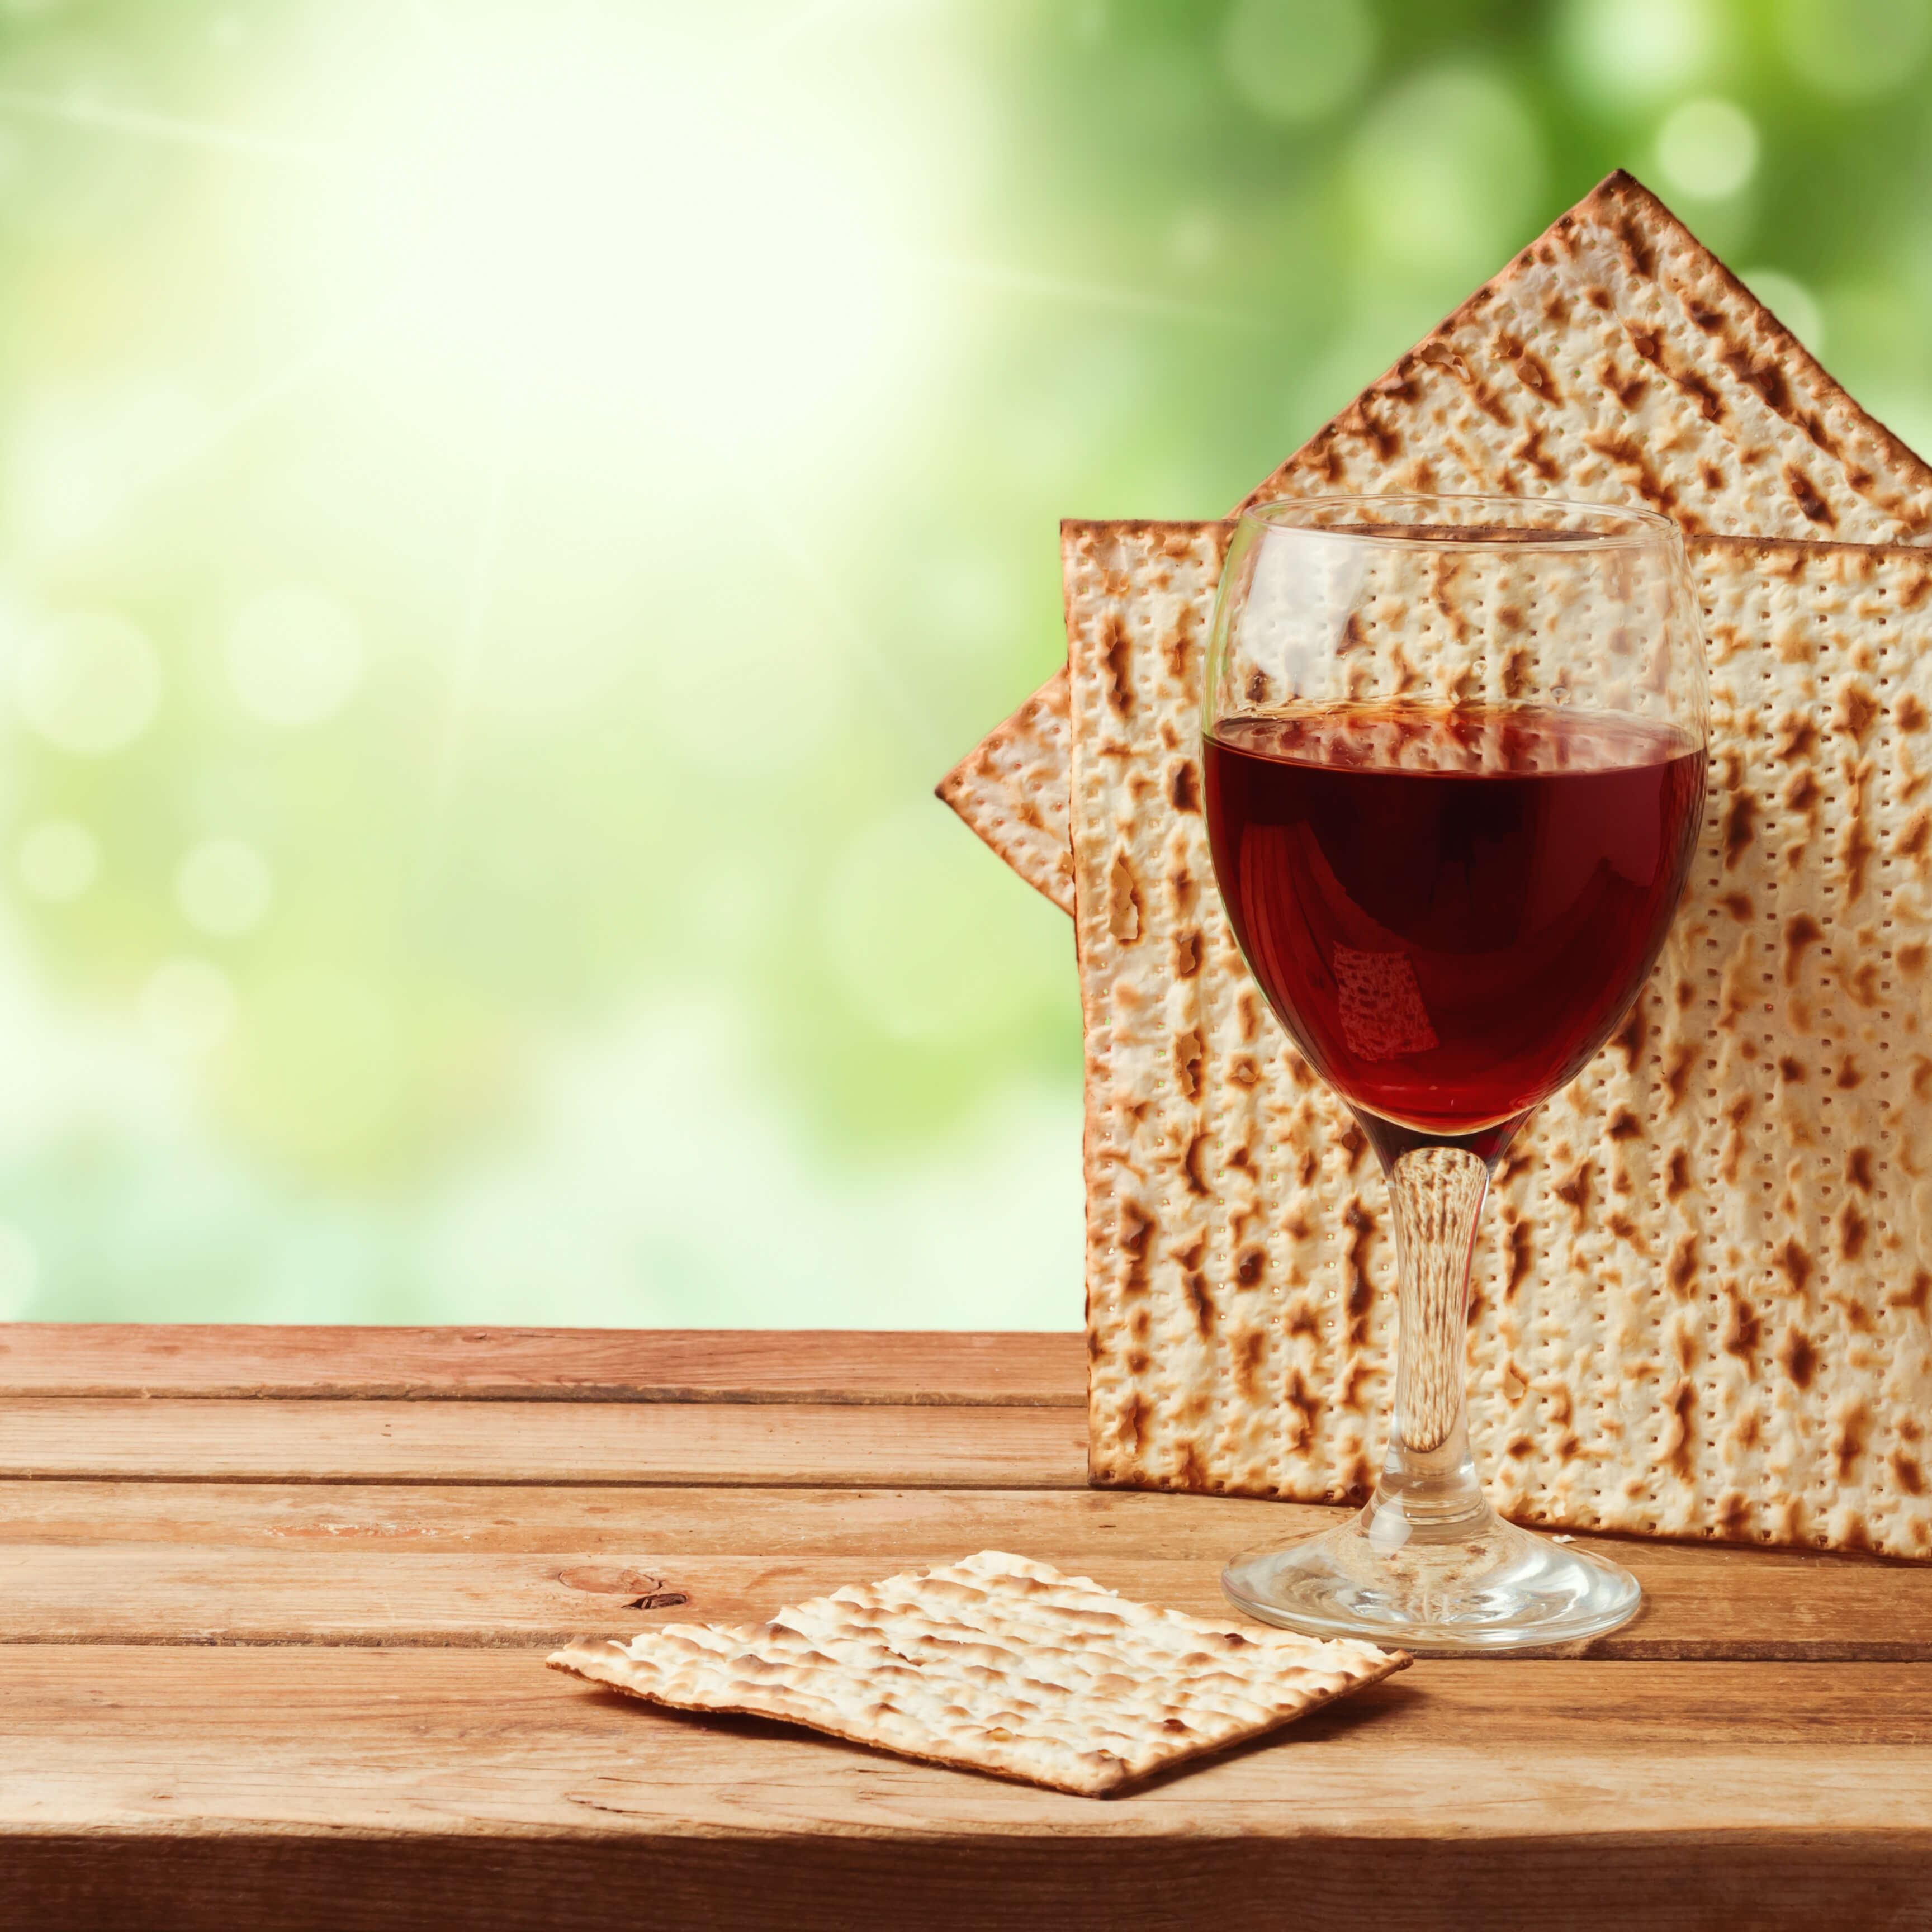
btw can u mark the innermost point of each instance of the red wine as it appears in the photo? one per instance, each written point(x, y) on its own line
point(1451, 911)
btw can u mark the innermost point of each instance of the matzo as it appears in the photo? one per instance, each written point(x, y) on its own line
point(1614, 361)
point(1700, 1297)
point(996, 1663)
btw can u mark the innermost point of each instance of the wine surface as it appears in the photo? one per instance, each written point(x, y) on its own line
point(1451, 911)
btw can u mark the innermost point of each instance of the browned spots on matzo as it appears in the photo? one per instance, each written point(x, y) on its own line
point(1635, 239)
point(1180, 648)
point(1124, 902)
point(1116, 652)
point(1190, 1167)
point(1739, 813)
point(1742, 1328)
point(1574, 1190)
point(1359, 1293)
point(1133, 1229)
point(1519, 1258)
point(1249, 1347)
point(1796, 736)
point(1857, 711)
point(1369, 422)
point(1677, 1072)
point(1629, 1038)
point(1804, 493)
point(1679, 1435)
point(1762, 374)
point(1629, 386)
point(1798, 1357)
point(1801, 931)
point(1187, 1058)
point(1854, 848)
point(1791, 1261)
point(1200, 1302)
point(1911, 1297)
point(1531, 454)
point(1628, 455)
point(1303, 1406)
point(1444, 355)
point(1184, 786)
point(1534, 373)
point(1849, 1439)
point(1853, 1231)
point(1681, 1269)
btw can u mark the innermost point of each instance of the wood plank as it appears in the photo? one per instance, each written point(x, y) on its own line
point(173, 1563)
point(353, 1788)
point(188, 1593)
point(1084, 1526)
point(129, 1359)
point(925, 1446)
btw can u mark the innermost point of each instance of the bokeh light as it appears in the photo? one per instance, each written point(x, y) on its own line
point(1445, 170)
point(295, 655)
point(1631, 53)
point(59, 859)
point(224, 887)
point(1707, 149)
point(89, 682)
point(1852, 49)
point(508, 510)
point(1297, 60)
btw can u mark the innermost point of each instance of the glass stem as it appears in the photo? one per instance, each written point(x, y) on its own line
point(1429, 1488)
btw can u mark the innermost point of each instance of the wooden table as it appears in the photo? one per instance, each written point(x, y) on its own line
point(276, 1602)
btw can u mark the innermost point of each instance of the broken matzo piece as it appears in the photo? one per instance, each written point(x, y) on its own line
point(996, 1663)
point(1700, 1296)
point(1614, 361)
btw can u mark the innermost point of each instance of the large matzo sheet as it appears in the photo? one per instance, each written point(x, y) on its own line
point(1701, 1291)
point(1615, 360)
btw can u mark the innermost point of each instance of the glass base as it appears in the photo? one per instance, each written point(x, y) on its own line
point(1476, 1584)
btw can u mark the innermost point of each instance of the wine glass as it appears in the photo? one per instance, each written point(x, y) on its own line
point(1454, 754)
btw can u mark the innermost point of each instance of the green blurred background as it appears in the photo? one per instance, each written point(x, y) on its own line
point(509, 507)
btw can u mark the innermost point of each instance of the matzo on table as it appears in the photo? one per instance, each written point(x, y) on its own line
point(996, 1663)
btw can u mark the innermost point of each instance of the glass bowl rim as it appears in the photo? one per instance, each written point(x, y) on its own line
point(1617, 525)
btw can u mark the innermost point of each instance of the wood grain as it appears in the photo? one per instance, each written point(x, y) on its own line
point(186, 1562)
point(136, 1359)
point(584, 1443)
point(1725, 1607)
point(370, 1781)
point(269, 1661)
point(1086, 1525)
